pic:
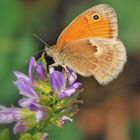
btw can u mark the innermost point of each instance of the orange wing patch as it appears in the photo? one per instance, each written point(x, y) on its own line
point(99, 21)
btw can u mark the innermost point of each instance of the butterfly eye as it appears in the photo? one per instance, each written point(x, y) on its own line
point(96, 17)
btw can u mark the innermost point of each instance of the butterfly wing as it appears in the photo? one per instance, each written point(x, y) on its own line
point(102, 58)
point(98, 21)
point(89, 45)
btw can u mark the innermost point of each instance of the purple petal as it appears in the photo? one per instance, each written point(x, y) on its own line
point(57, 81)
point(32, 63)
point(34, 107)
point(26, 102)
point(40, 71)
point(20, 75)
point(69, 91)
point(71, 76)
point(77, 85)
point(66, 93)
point(9, 115)
point(40, 115)
point(20, 127)
point(25, 88)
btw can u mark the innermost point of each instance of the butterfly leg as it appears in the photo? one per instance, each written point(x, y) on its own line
point(53, 65)
point(56, 64)
point(65, 68)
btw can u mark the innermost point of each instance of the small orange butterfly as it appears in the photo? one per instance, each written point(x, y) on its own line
point(89, 45)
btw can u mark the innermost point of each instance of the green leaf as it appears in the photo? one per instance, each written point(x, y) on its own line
point(134, 130)
point(43, 61)
point(4, 134)
point(70, 132)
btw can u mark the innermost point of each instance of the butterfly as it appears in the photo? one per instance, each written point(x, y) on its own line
point(89, 45)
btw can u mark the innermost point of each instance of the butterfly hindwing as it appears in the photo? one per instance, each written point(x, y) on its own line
point(102, 58)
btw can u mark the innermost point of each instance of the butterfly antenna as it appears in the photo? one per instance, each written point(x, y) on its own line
point(39, 51)
point(46, 45)
point(41, 40)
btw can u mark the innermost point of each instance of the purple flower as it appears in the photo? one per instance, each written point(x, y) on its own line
point(38, 103)
point(64, 86)
point(20, 116)
point(30, 103)
point(8, 115)
point(20, 126)
point(27, 84)
point(39, 69)
point(33, 105)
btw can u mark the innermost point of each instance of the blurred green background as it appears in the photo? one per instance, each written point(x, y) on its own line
point(20, 19)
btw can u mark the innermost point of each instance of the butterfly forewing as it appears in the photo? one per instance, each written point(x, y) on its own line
point(86, 25)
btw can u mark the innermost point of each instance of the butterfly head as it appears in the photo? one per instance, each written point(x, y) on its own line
point(55, 54)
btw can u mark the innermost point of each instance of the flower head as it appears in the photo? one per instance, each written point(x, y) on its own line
point(45, 100)
point(64, 86)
